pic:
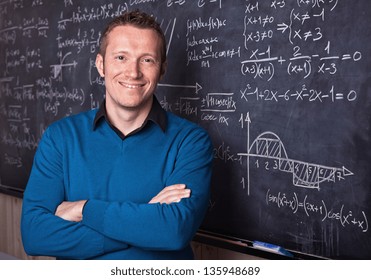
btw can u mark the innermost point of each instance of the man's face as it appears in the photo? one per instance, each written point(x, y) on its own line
point(131, 67)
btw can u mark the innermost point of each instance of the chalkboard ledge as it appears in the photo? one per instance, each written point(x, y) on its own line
point(246, 247)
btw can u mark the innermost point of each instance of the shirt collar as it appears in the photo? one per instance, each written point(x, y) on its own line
point(157, 115)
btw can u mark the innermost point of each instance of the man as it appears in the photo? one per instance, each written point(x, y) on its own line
point(127, 181)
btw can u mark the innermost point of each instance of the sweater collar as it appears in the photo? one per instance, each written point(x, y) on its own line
point(156, 115)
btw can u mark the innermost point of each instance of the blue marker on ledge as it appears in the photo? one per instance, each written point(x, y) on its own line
point(271, 248)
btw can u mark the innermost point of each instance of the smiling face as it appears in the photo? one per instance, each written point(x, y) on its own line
point(131, 68)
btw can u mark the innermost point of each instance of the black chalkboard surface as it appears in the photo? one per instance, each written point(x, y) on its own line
point(283, 88)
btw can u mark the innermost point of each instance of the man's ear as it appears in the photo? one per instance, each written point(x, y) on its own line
point(163, 69)
point(99, 63)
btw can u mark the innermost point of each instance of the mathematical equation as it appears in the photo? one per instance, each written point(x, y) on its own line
point(301, 23)
point(214, 106)
point(303, 93)
point(261, 64)
point(342, 214)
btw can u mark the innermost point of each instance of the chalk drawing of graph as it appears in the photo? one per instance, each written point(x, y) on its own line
point(304, 174)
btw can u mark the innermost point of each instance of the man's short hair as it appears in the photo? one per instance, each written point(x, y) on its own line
point(138, 19)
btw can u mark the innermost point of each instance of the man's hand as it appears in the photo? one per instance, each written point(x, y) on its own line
point(171, 194)
point(70, 211)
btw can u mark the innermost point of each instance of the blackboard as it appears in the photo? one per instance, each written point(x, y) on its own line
point(282, 87)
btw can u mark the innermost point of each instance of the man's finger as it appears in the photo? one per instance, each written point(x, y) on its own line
point(171, 194)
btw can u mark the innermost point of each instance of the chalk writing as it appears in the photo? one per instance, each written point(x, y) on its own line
point(303, 93)
point(341, 214)
point(269, 146)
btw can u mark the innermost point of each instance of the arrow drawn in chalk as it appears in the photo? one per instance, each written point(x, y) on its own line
point(197, 86)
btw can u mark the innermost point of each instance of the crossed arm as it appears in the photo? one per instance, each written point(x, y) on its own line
point(73, 211)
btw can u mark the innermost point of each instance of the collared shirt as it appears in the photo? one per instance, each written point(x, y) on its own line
point(157, 115)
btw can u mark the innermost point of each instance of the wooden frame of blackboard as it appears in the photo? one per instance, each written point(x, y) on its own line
point(11, 191)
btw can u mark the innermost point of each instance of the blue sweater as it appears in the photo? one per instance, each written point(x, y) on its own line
point(119, 177)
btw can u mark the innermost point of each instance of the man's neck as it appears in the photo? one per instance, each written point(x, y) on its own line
point(127, 119)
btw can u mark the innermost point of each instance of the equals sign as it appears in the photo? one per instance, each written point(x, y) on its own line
point(346, 57)
point(339, 96)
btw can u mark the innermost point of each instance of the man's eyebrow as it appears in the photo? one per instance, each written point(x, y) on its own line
point(119, 52)
point(154, 55)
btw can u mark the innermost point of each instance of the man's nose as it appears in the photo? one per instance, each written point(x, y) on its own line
point(133, 69)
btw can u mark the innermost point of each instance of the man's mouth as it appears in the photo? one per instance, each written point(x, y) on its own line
point(131, 86)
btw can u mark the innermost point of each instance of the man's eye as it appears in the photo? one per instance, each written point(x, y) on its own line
point(120, 57)
point(148, 60)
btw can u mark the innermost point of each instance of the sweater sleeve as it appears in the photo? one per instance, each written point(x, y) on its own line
point(161, 226)
point(43, 233)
